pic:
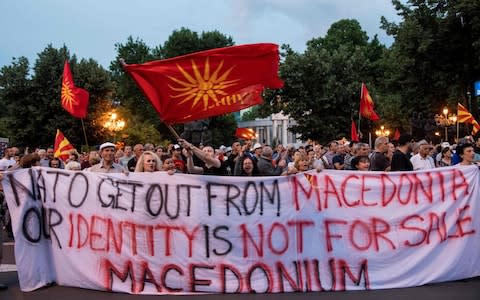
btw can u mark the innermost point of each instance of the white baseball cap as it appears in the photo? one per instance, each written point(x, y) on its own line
point(106, 145)
point(256, 146)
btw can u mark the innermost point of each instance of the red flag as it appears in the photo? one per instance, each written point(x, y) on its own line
point(367, 106)
point(353, 133)
point(245, 133)
point(74, 99)
point(62, 146)
point(396, 135)
point(208, 83)
point(464, 116)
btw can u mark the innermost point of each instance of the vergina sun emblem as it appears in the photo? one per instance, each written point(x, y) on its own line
point(206, 87)
point(68, 98)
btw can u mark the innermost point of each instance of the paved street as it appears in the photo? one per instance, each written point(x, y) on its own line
point(459, 290)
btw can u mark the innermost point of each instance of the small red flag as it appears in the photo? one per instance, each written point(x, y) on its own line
point(74, 99)
point(354, 133)
point(367, 106)
point(208, 83)
point(464, 116)
point(245, 133)
point(396, 135)
point(62, 146)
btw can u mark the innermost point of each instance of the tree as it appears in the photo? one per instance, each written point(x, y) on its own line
point(223, 129)
point(322, 85)
point(180, 42)
point(15, 91)
point(185, 41)
point(126, 92)
point(32, 106)
point(434, 58)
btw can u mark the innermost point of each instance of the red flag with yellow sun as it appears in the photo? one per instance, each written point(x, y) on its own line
point(74, 99)
point(208, 83)
point(62, 146)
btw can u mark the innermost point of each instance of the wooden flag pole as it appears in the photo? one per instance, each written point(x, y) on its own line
point(84, 133)
point(172, 130)
point(456, 141)
point(360, 116)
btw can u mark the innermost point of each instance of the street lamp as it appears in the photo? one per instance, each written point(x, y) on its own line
point(114, 124)
point(382, 131)
point(445, 120)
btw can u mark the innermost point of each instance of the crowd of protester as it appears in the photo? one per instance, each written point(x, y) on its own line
point(248, 159)
point(255, 159)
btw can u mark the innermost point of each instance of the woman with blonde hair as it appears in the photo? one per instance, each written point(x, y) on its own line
point(301, 164)
point(148, 162)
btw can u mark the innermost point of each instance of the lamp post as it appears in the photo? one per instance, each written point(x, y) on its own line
point(446, 120)
point(114, 124)
point(445, 113)
point(382, 131)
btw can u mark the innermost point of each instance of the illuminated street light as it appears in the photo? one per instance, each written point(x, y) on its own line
point(382, 131)
point(114, 124)
point(445, 120)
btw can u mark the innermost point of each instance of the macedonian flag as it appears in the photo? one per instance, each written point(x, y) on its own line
point(245, 133)
point(62, 146)
point(367, 106)
point(208, 83)
point(464, 116)
point(74, 99)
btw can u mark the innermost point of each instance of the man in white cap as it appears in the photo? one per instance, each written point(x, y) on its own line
point(107, 165)
point(257, 151)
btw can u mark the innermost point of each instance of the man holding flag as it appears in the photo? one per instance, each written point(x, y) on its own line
point(207, 83)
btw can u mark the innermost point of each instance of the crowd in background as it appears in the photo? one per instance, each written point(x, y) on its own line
point(245, 158)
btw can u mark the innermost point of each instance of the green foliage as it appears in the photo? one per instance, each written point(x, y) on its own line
point(15, 89)
point(180, 42)
point(223, 129)
point(185, 41)
point(32, 106)
point(322, 85)
point(434, 59)
point(251, 114)
point(432, 63)
point(126, 91)
point(137, 130)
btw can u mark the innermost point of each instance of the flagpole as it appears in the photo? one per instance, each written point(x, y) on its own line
point(84, 133)
point(359, 113)
point(457, 132)
point(172, 130)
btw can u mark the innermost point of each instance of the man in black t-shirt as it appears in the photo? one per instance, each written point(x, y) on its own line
point(378, 159)
point(401, 157)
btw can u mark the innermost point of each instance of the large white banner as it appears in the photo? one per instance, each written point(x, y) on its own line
point(159, 234)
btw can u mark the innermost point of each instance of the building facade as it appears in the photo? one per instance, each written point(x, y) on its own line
point(273, 130)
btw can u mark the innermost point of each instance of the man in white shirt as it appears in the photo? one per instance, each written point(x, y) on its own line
point(422, 160)
point(107, 164)
point(127, 155)
point(7, 160)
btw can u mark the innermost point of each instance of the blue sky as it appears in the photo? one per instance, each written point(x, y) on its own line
point(90, 28)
